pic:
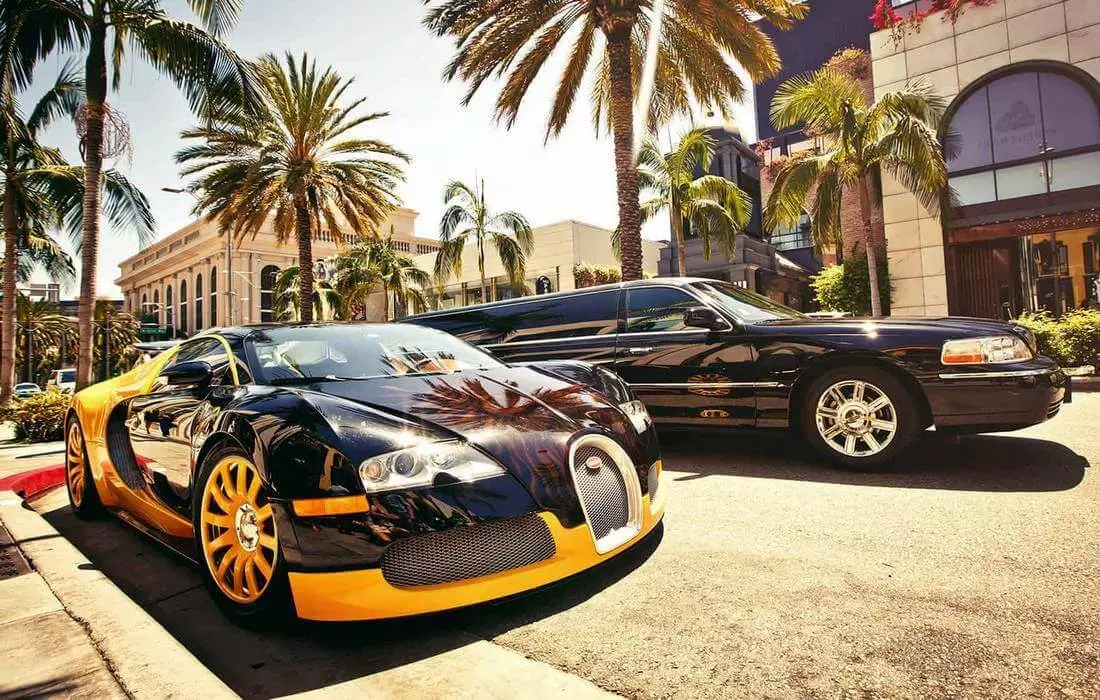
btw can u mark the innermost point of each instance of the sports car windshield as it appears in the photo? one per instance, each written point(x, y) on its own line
point(360, 351)
point(745, 305)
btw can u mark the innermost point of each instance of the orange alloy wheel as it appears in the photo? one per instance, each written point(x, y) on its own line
point(238, 530)
point(74, 463)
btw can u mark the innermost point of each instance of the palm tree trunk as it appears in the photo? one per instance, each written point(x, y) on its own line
point(7, 341)
point(481, 265)
point(385, 303)
point(305, 264)
point(869, 245)
point(676, 221)
point(95, 78)
point(622, 124)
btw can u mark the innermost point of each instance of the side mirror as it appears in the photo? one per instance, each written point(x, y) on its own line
point(194, 373)
point(703, 317)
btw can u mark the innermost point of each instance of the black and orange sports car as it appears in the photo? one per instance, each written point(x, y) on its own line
point(349, 472)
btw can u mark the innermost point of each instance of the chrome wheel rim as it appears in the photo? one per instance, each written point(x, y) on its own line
point(856, 418)
point(74, 464)
point(238, 531)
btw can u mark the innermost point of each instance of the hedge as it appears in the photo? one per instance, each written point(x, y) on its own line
point(1072, 340)
point(847, 287)
point(38, 418)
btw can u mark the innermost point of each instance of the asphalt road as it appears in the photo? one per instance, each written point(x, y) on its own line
point(973, 572)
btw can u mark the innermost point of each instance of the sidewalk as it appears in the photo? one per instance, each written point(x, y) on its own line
point(66, 629)
point(45, 650)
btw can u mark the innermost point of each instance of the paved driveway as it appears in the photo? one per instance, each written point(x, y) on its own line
point(974, 572)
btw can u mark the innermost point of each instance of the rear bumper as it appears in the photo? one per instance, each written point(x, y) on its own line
point(984, 399)
point(365, 594)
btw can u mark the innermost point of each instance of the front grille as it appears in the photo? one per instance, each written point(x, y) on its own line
point(468, 552)
point(1054, 408)
point(602, 490)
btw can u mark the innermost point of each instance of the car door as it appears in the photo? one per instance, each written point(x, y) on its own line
point(685, 376)
point(575, 326)
point(160, 422)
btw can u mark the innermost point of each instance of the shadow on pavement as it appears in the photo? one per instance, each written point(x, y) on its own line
point(973, 463)
point(306, 655)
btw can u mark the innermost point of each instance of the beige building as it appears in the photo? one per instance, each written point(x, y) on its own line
point(192, 279)
point(1022, 79)
point(183, 282)
point(558, 248)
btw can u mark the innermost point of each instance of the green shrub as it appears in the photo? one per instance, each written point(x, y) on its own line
point(1072, 340)
point(38, 418)
point(586, 275)
point(847, 287)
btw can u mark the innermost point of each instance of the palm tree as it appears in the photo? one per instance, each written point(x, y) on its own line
point(692, 68)
point(295, 163)
point(286, 304)
point(467, 217)
point(40, 326)
point(206, 70)
point(715, 207)
point(896, 134)
point(115, 334)
point(42, 192)
point(372, 262)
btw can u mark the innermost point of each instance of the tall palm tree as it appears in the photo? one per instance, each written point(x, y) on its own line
point(42, 192)
point(286, 304)
point(361, 268)
point(714, 207)
point(696, 40)
point(206, 70)
point(295, 163)
point(115, 334)
point(467, 218)
point(896, 134)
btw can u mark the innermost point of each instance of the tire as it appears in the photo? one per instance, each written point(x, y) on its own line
point(860, 418)
point(79, 484)
point(230, 523)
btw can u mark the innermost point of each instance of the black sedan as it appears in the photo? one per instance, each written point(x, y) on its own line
point(350, 472)
point(707, 354)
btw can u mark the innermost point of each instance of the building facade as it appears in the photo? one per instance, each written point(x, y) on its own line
point(195, 279)
point(1022, 132)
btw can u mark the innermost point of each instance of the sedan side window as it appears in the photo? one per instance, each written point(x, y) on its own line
point(657, 309)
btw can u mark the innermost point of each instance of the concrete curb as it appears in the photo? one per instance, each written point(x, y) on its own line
point(145, 659)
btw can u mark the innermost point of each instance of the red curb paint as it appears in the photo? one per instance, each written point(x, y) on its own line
point(28, 483)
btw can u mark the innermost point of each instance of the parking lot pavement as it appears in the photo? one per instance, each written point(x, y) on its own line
point(972, 571)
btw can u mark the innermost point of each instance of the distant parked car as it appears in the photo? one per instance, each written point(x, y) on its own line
point(63, 379)
point(702, 353)
point(22, 391)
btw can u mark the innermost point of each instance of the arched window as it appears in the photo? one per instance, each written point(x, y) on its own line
point(183, 306)
point(267, 286)
point(144, 304)
point(1028, 130)
point(198, 303)
point(169, 317)
point(213, 297)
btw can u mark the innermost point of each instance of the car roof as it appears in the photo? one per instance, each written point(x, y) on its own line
point(656, 281)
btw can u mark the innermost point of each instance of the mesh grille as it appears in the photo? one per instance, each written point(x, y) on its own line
point(602, 490)
point(468, 552)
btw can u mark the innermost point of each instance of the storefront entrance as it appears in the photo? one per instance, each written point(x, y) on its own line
point(1023, 146)
point(1053, 272)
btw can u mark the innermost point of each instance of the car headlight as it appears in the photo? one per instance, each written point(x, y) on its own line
point(418, 466)
point(983, 351)
point(638, 415)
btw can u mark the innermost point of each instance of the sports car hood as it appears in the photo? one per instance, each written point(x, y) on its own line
point(521, 417)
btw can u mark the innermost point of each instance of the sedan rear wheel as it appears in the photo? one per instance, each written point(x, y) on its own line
point(859, 417)
point(236, 532)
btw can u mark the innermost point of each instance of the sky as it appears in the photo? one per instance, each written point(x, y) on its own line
point(397, 65)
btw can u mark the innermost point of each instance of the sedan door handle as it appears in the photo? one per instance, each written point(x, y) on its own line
point(639, 351)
